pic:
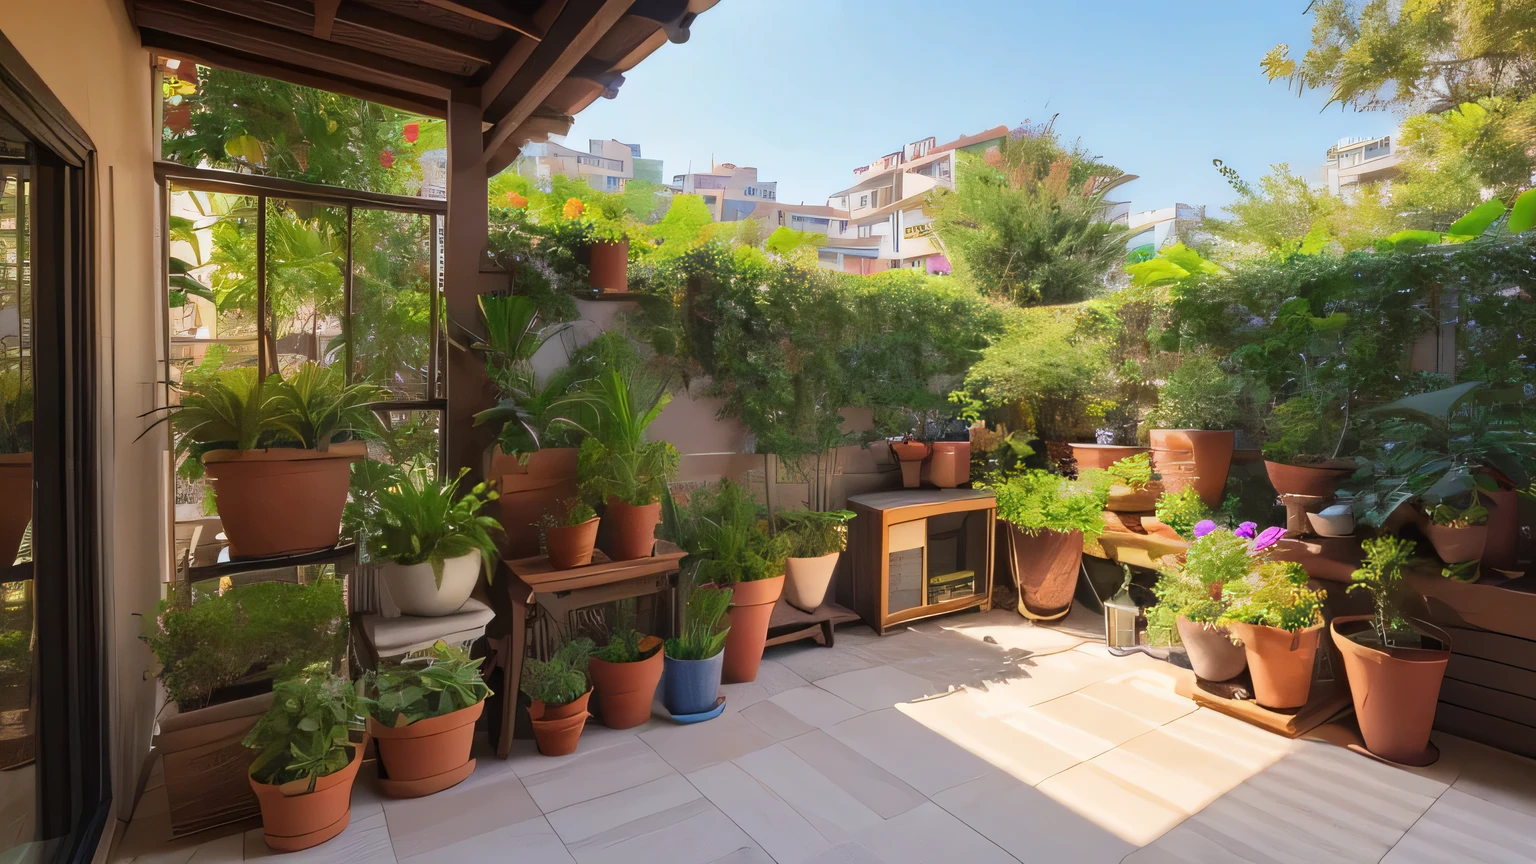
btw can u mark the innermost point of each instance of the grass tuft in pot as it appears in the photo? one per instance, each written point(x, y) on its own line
point(815, 540)
point(695, 659)
point(422, 714)
point(559, 689)
point(625, 673)
point(619, 468)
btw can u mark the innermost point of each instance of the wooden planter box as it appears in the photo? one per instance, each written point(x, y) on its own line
point(205, 764)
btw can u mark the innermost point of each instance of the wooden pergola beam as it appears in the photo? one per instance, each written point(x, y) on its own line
point(357, 20)
point(537, 127)
point(325, 17)
point(493, 12)
point(209, 25)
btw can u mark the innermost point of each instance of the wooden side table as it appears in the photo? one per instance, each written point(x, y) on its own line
point(528, 587)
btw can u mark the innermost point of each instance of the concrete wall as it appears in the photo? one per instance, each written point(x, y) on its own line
point(88, 53)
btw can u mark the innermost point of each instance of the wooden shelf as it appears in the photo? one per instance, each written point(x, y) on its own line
point(789, 624)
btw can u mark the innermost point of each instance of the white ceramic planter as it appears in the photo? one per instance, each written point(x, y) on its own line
point(806, 580)
point(414, 591)
point(1334, 521)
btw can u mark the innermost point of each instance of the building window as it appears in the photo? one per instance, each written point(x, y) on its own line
point(863, 201)
point(842, 226)
point(864, 230)
point(611, 182)
point(750, 191)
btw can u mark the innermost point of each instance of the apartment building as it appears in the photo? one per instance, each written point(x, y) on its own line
point(1354, 162)
point(885, 226)
point(1151, 230)
point(731, 192)
point(606, 165)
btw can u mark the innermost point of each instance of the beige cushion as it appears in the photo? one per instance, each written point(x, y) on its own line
point(391, 637)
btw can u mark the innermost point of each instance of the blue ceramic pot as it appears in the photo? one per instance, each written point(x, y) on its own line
point(691, 686)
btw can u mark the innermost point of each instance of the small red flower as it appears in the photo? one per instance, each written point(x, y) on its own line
point(412, 132)
point(387, 159)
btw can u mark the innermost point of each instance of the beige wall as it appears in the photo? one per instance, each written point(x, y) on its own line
point(88, 54)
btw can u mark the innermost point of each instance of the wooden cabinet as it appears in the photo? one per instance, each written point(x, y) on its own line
point(916, 553)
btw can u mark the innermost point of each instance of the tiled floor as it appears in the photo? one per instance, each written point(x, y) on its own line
point(970, 739)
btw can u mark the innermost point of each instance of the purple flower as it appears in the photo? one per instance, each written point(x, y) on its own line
point(1247, 530)
point(1270, 537)
point(1204, 527)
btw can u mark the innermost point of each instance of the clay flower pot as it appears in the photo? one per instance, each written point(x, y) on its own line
point(1124, 499)
point(633, 529)
point(806, 580)
point(527, 490)
point(1101, 455)
point(414, 589)
point(1212, 655)
point(571, 545)
point(608, 266)
point(1455, 545)
point(557, 728)
point(1502, 549)
point(625, 691)
point(1193, 457)
point(427, 756)
point(1280, 662)
point(15, 503)
point(911, 455)
point(1321, 480)
point(691, 686)
point(1045, 568)
point(1395, 690)
point(282, 501)
point(949, 465)
point(294, 818)
point(751, 607)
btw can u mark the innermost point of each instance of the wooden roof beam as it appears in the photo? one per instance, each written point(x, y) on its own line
point(579, 27)
point(325, 17)
point(515, 51)
point(536, 128)
point(493, 12)
point(360, 20)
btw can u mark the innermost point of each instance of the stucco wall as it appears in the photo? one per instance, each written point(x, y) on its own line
point(88, 54)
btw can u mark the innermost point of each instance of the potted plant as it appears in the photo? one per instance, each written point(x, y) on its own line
point(278, 452)
point(432, 540)
point(1438, 490)
point(1181, 511)
point(1304, 435)
point(559, 690)
point(217, 658)
point(422, 715)
point(306, 760)
point(1134, 487)
point(910, 451)
point(690, 685)
point(1279, 621)
point(1048, 516)
point(570, 533)
point(15, 463)
point(624, 675)
point(608, 224)
point(1191, 439)
point(1395, 664)
point(1191, 599)
point(1458, 533)
point(815, 542)
point(1088, 456)
point(620, 469)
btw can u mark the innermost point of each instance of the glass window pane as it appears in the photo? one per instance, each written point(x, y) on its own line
point(412, 436)
point(391, 300)
point(211, 280)
point(306, 267)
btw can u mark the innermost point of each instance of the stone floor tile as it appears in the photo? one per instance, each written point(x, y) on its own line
point(1115, 805)
point(366, 841)
point(692, 833)
point(775, 722)
point(959, 719)
point(1500, 778)
point(1183, 774)
point(583, 777)
point(818, 706)
point(579, 822)
point(921, 757)
point(1029, 824)
point(830, 809)
point(225, 850)
point(811, 661)
point(847, 853)
point(1241, 742)
point(1092, 726)
point(872, 786)
point(1463, 827)
point(531, 841)
point(479, 805)
point(1046, 678)
point(687, 748)
point(877, 687)
point(767, 818)
point(1141, 695)
point(929, 834)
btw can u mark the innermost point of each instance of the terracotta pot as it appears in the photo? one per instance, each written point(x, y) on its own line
point(571, 545)
point(425, 757)
point(910, 451)
point(633, 529)
point(1193, 457)
point(608, 266)
point(557, 728)
point(15, 503)
point(950, 464)
point(294, 818)
point(1321, 480)
point(1280, 662)
point(1124, 499)
point(413, 588)
point(911, 475)
point(1211, 654)
point(751, 608)
point(1332, 558)
point(1455, 545)
point(1045, 568)
point(1502, 551)
point(281, 501)
point(1101, 455)
point(625, 691)
point(527, 491)
point(806, 580)
point(1395, 690)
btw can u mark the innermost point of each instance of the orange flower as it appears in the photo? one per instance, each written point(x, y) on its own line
point(516, 201)
point(574, 208)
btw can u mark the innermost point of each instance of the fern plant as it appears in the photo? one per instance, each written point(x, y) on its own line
point(560, 679)
point(421, 519)
point(1134, 471)
point(1035, 500)
point(1182, 511)
point(1275, 595)
point(305, 734)
point(704, 630)
point(727, 541)
point(445, 681)
point(812, 534)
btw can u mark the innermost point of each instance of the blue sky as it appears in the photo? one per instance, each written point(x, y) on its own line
point(805, 90)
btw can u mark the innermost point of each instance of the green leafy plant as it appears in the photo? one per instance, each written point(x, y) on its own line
point(726, 538)
point(567, 513)
point(1304, 429)
point(1036, 500)
point(1275, 595)
point(560, 679)
point(617, 461)
point(1452, 516)
point(812, 533)
point(444, 681)
point(1381, 576)
point(531, 415)
point(1198, 394)
point(305, 734)
point(1134, 471)
point(1182, 511)
point(422, 519)
point(704, 627)
point(248, 634)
